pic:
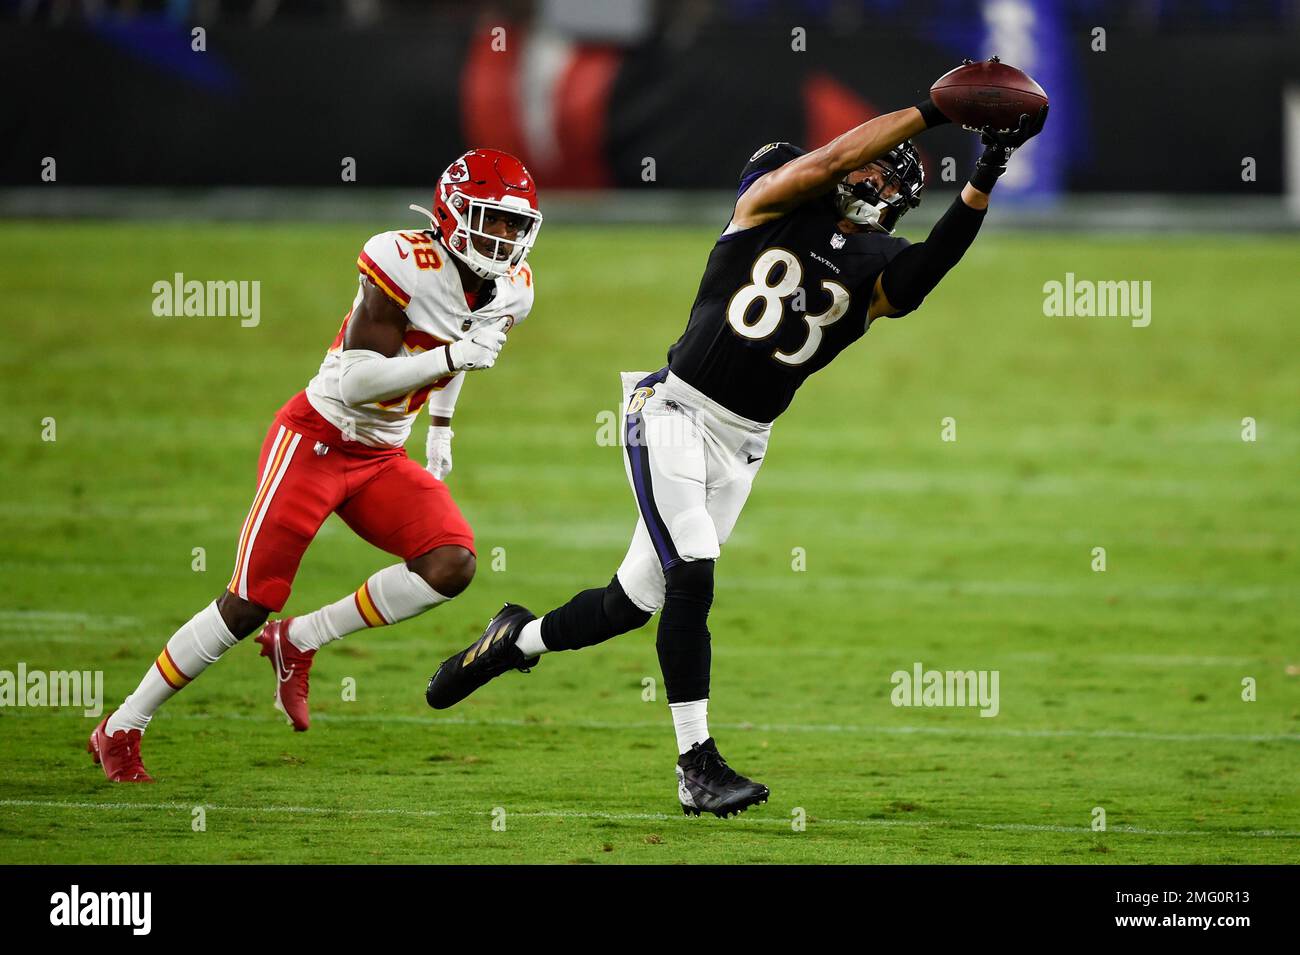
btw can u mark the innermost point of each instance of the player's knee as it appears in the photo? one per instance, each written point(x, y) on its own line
point(447, 570)
point(690, 580)
point(621, 614)
point(241, 616)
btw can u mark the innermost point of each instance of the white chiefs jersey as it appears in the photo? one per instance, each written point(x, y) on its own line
point(416, 271)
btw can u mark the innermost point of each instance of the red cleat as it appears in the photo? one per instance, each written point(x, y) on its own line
point(291, 668)
point(118, 754)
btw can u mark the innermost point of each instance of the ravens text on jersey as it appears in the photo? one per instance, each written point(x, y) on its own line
point(778, 301)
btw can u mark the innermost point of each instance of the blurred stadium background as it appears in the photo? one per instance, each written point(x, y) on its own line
point(127, 156)
point(1155, 104)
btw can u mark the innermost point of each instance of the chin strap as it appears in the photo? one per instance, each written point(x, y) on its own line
point(862, 212)
point(871, 220)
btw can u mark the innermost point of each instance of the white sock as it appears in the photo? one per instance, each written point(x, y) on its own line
point(390, 595)
point(691, 721)
point(530, 639)
point(188, 653)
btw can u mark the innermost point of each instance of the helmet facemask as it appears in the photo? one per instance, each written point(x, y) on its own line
point(880, 207)
point(505, 255)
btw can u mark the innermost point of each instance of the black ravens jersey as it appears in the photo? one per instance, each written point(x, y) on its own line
point(778, 301)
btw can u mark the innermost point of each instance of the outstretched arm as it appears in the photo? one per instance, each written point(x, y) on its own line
point(815, 173)
point(915, 271)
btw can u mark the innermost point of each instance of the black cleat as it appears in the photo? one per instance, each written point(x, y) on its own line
point(486, 658)
point(705, 783)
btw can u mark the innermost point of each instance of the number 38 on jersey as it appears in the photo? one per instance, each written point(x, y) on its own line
point(777, 275)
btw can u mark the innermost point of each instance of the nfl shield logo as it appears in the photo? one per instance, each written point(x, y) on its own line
point(837, 241)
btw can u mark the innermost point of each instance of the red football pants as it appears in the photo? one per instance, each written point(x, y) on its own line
point(388, 499)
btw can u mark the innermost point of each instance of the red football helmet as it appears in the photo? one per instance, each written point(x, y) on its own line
point(480, 182)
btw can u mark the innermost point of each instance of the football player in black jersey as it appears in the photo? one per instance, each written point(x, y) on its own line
point(806, 263)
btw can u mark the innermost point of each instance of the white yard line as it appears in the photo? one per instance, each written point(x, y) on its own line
point(14, 630)
point(645, 645)
point(975, 730)
point(1082, 586)
point(813, 820)
point(108, 568)
point(45, 620)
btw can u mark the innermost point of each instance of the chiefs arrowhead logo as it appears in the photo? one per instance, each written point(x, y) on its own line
point(457, 172)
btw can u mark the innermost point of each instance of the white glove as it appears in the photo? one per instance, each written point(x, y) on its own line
point(438, 450)
point(480, 349)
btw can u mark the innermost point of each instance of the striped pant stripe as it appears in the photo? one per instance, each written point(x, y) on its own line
point(277, 463)
point(638, 456)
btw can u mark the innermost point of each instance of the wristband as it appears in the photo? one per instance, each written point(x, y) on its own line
point(990, 165)
point(931, 114)
point(986, 177)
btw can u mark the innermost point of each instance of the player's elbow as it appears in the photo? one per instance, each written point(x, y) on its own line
point(359, 380)
point(357, 390)
point(910, 277)
point(883, 306)
point(351, 390)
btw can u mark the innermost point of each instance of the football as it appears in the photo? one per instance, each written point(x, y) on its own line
point(988, 93)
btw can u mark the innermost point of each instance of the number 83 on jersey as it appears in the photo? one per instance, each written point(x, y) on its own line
point(786, 265)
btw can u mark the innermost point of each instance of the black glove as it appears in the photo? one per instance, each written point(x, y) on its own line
point(998, 147)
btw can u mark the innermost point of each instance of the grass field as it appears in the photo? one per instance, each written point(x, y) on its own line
point(1119, 689)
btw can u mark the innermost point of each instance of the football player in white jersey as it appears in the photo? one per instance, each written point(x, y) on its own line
point(432, 306)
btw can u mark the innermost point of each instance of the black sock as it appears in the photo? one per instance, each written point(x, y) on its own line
point(592, 617)
point(685, 654)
